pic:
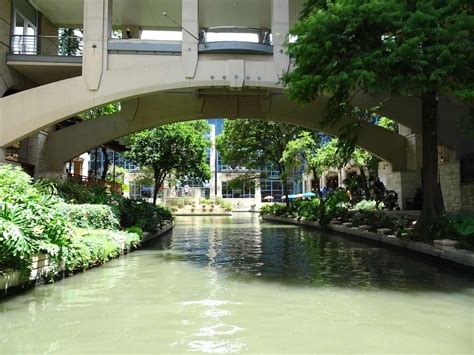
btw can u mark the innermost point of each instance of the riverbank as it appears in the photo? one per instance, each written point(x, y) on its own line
point(43, 269)
point(445, 252)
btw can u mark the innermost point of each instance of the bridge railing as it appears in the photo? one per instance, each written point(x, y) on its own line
point(71, 46)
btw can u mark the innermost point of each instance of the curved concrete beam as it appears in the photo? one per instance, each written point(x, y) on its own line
point(164, 108)
point(31, 110)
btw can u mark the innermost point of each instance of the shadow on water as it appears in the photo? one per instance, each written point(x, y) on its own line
point(244, 249)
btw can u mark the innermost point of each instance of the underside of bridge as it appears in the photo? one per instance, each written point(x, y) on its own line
point(163, 81)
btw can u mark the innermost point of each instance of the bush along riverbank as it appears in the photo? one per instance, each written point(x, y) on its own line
point(51, 229)
point(452, 238)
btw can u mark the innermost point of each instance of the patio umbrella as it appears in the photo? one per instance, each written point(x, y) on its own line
point(269, 198)
point(309, 194)
point(291, 196)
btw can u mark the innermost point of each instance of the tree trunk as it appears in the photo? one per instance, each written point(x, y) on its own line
point(106, 163)
point(316, 180)
point(156, 185)
point(365, 186)
point(433, 205)
point(283, 178)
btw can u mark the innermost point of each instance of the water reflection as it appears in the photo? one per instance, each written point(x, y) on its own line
point(235, 285)
point(243, 249)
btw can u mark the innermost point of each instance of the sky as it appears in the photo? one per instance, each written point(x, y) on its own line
point(211, 37)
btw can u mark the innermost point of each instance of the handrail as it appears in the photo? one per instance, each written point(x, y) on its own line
point(46, 45)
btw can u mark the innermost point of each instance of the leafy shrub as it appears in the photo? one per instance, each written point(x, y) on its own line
point(458, 227)
point(227, 206)
point(219, 200)
point(205, 201)
point(321, 210)
point(143, 214)
point(77, 192)
point(376, 219)
point(136, 230)
point(365, 205)
point(91, 216)
point(276, 209)
point(94, 247)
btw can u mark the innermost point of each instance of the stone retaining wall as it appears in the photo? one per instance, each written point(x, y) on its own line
point(459, 256)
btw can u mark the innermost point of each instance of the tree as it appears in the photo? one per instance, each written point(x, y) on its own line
point(69, 44)
point(304, 151)
point(178, 149)
point(253, 144)
point(422, 48)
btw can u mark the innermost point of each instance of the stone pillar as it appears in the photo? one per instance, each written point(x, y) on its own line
point(3, 152)
point(450, 180)
point(404, 183)
point(190, 45)
point(280, 30)
point(97, 31)
point(258, 195)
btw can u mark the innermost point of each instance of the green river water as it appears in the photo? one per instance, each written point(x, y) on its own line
point(236, 284)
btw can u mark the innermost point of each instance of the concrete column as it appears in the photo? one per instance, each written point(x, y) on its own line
point(190, 45)
point(97, 30)
point(403, 130)
point(280, 29)
point(258, 193)
point(3, 156)
point(450, 180)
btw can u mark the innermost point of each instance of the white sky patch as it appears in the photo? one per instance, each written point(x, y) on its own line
point(162, 35)
point(231, 36)
point(210, 36)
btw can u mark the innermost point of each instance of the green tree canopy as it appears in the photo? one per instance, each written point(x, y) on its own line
point(415, 47)
point(178, 149)
point(252, 144)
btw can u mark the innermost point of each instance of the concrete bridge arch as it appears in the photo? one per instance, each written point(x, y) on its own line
point(164, 108)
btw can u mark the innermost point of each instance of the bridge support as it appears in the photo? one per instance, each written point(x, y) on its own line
point(190, 21)
point(280, 29)
point(406, 182)
point(2, 155)
point(98, 27)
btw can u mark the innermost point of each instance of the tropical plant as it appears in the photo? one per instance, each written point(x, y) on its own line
point(30, 220)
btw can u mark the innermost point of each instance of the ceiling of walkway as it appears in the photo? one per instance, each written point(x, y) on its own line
point(148, 13)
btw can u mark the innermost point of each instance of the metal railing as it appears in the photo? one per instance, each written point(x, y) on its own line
point(69, 46)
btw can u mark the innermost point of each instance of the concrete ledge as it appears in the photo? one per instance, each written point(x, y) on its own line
point(209, 214)
point(459, 256)
point(150, 236)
